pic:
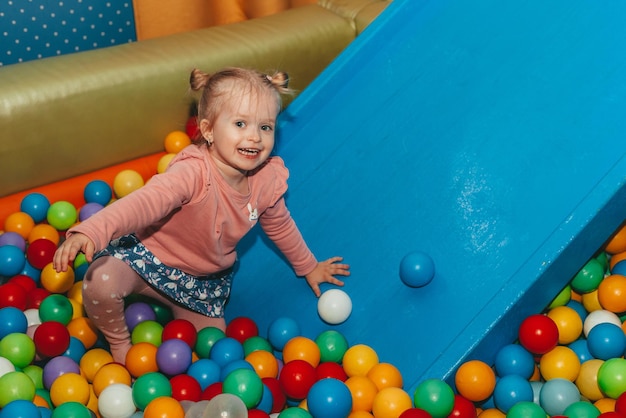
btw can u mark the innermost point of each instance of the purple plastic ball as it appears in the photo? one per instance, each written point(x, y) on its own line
point(88, 210)
point(56, 367)
point(13, 238)
point(173, 357)
point(138, 312)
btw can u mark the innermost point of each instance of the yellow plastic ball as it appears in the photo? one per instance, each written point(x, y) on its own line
point(164, 407)
point(475, 380)
point(175, 141)
point(93, 360)
point(19, 222)
point(363, 392)
point(78, 310)
point(56, 282)
point(164, 161)
point(591, 302)
point(302, 348)
point(359, 359)
point(492, 413)
point(391, 403)
point(360, 414)
point(69, 387)
point(587, 380)
point(568, 322)
point(44, 231)
point(126, 182)
point(109, 374)
point(560, 362)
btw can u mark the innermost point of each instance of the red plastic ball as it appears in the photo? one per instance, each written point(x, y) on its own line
point(278, 396)
point(415, 413)
point(36, 296)
point(462, 408)
point(40, 252)
point(538, 334)
point(241, 329)
point(620, 404)
point(211, 391)
point(13, 295)
point(257, 413)
point(51, 339)
point(296, 378)
point(331, 369)
point(25, 281)
point(185, 388)
point(180, 329)
point(191, 127)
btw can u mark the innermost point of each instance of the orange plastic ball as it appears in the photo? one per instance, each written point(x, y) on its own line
point(164, 407)
point(20, 223)
point(360, 414)
point(126, 182)
point(109, 374)
point(605, 405)
point(587, 379)
point(164, 161)
point(363, 391)
point(41, 401)
point(560, 362)
point(391, 402)
point(617, 243)
point(264, 363)
point(56, 282)
point(612, 293)
point(175, 141)
point(475, 380)
point(385, 375)
point(568, 322)
point(92, 403)
point(83, 329)
point(141, 359)
point(93, 360)
point(359, 359)
point(492, 413)
point(44, 231)
point(69, 387)
point(302, 348)
point(616, 258)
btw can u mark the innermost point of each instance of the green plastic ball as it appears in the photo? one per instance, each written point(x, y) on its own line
point(163, 313)
point(333, 345)
point(581, 409)
point(294, 412)
point(526, 409)
point(256, 343)
point(245, 384)
point(150, 386)
point(15, 385)
point(36, 375)
point(62, 215)
point(56, 307)
point(588, 277)
point(435, 397)
point(612, 377)
point(18, 348)
point(147, 332)
point(71, 410)
point(205, 340)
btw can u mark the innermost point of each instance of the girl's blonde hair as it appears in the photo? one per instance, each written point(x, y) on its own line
point(218, 87)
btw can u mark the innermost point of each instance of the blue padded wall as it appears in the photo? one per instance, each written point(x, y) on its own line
point(33, 29)
point(488, 134)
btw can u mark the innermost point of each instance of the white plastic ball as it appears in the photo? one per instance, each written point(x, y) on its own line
point(334, 306)
point(116, 401)
point(599, 317)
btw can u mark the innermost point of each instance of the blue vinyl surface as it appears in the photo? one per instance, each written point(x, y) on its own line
point(490, 135)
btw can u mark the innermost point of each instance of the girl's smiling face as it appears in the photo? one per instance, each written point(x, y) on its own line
point(242, 136)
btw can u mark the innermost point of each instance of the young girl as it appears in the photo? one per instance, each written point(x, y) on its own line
point(175, 239)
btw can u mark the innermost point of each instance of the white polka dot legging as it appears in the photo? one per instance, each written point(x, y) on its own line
point(107, 282)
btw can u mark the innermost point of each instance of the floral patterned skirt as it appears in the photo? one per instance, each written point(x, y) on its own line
point(207, 295)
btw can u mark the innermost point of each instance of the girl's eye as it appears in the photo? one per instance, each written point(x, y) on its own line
point(267, 128)
point(240, 124)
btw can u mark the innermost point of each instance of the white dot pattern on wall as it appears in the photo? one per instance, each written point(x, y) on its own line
point(33, 29)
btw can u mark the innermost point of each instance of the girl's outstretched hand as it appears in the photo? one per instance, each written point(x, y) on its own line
point(67, 251)
point(325, 272)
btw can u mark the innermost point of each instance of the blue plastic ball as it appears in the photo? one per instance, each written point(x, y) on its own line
point(12, 260)
point(98, 191)
point(581, 349)
point(267, 400)
point(12, 320)
point(226, 350)
point(329, 398)
point(510, 390)
point(557, 394)
point(30, 271)
point(205, 371)
point(20, 408)
point(282, 330)
point(36, 205)
point(619, 268)
point(234, 365)
point(606, 341)
point(417, 269)
point(75, 350)
point(514, 359)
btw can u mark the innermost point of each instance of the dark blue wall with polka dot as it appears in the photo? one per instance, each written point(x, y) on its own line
point(33, 29)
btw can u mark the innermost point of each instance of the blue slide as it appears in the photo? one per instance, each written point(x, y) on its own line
point(490, 135)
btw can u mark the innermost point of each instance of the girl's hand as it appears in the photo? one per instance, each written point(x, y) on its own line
point(66, 253)
point(325, 272)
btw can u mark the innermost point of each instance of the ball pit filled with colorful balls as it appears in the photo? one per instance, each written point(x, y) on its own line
point(568, 360)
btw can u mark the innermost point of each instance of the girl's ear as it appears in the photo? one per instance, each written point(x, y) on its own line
point(206, 130)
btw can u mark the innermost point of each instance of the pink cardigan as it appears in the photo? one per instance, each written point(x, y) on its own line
point(191, 219)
